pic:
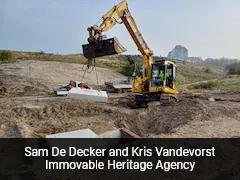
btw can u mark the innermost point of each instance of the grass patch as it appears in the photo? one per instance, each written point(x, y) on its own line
point(230, 83)
point(207, 70)
point(209, 85)
point(5, 56)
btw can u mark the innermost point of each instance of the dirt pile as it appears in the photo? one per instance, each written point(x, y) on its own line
point(164, 119)
point(15, 86)
point(188, 110)
point(43, 117)
point(190, 117)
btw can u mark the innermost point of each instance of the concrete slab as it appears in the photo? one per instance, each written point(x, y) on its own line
point(122, 86)
point(88, 94)
point(83, 133)
point(111, 134)
point(62, 93)
point(56, 140)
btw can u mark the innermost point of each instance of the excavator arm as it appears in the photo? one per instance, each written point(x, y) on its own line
point(110, 19)
point(99, 45)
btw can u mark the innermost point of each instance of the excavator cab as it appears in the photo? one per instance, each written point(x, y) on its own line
point(163, 77)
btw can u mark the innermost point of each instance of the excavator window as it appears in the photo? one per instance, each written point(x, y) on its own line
point(170, 75)
point(157, 75)
point(141, 73)
point(169, 70)
point(174, 73)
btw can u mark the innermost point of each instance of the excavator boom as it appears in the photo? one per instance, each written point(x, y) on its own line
point(100, 46)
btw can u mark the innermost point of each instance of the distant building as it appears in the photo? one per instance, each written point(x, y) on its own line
point(179, 53)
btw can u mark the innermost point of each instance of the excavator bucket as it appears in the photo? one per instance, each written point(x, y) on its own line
point(103, 48)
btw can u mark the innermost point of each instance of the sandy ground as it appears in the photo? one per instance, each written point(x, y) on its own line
point(55, 73)
point(216, 119)
point(29, 108)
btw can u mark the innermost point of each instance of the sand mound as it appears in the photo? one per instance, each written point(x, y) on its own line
point(40, 118)
point(33, 78)
point(165, 119)
point(15, 86)
point(55, 73)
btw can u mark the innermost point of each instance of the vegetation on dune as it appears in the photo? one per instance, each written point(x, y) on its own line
point(234, 69)
point(42, 56)
point(207, 70)
point(5, 56)
point(209, 85)
point(221, 62)
point(191, 73)
point(230, 83)
point(127, 69)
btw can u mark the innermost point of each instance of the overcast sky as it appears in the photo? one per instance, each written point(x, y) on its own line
point(207, 28)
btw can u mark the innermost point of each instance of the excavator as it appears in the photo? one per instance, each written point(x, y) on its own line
point(157, 78)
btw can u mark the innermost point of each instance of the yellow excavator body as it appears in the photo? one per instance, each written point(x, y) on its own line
point(156, 78)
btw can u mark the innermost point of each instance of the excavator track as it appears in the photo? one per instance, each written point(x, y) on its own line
point(132, 102)
point(165, 100)
point(168, 99)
